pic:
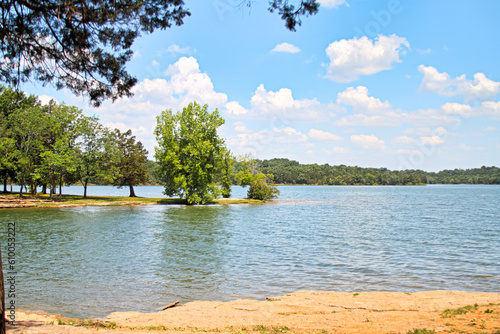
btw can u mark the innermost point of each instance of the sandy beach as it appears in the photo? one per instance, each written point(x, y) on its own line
point(299, 312)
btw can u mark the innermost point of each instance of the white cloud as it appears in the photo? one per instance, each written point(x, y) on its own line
point(281, 105)
point(45, 99)
point(241, 127)
point(457, 109)
point(234, 108)
point(286, 47)
point(368, 142)
point(487, 109)
point(360, 101)
point(480, 89)
point(264, 140)
point(490, 128)
point(338, 150)
point(176, 49)
point(332, 3)
point(387, 120)
point(430, 117)
point(154, 63)
point(404, 140)
point(323, 136)
point(349, 59)
point(379, 113)
point(431, 140)
point(185, 83)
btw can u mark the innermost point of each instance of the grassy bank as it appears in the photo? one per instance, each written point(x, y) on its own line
point(12, 200)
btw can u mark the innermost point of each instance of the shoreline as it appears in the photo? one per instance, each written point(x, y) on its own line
point(299, 312)
point(12, 200)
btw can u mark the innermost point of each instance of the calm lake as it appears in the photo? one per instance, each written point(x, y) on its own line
point(90, 261)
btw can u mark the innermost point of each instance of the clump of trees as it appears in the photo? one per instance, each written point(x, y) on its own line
point(194, 162)
point(54, 145)
point(261, 186)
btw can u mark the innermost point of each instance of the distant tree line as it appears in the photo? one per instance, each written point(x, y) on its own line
point(53, 145)
point(291, 172)
point(483, 175)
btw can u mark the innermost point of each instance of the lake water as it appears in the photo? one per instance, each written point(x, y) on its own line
point(90, 261)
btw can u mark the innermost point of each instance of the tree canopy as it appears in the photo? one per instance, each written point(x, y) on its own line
point(84, 45)
point(56, 144)
point(192, 157)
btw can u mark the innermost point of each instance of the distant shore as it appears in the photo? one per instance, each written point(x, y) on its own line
point(12, 200)
point(300, 312)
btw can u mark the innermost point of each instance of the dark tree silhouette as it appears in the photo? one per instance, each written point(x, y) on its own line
point(83, 45)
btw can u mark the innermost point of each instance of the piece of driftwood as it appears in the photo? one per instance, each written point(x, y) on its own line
point(169, 305)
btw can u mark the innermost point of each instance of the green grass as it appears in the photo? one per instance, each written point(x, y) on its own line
point(449, 313)
point(421, 331)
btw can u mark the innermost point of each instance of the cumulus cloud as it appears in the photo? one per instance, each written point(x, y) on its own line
point(487, 109)
point(185, 83)
point(323, 136)
point(351, 58)
point(286, 47)
point(368, 142)
point(234, 108)
point(368, 110)
point(360, 101)
point(332, 3)
point(477, 90)
point(282, 105)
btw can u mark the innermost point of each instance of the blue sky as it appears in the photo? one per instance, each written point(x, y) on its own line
point(399, 84)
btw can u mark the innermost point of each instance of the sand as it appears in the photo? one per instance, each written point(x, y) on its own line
point(299, 312)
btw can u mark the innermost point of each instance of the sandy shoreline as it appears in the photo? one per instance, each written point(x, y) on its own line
point(12, 201)
point(299, 312)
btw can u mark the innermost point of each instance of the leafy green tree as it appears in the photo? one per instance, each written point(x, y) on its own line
point(261, 185)
point(85, 45)
point(131, 162)
point(10, 101)
point(59, 160)
point(7, 159)
point(227, 162)
point(29, 128)
point(56, 163)
point(190, 153)
point(96, 154)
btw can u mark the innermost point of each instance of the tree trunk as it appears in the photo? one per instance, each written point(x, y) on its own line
point(5, 185)
point(60, 185)
point(32, 187)
point(85, 188)
point(132, 192)
point(2, 299)
point(44, 189)
point(21, 189)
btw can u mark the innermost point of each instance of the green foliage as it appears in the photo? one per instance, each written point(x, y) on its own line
point(448, 313)
point(132, 158)
point(191, 154)
point(421, 331)
point(291, 172)
point(483, 175)
point(261, 185)
point(96, 154)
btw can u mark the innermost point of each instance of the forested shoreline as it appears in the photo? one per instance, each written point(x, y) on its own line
point(54, 145)
point(290, 172)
